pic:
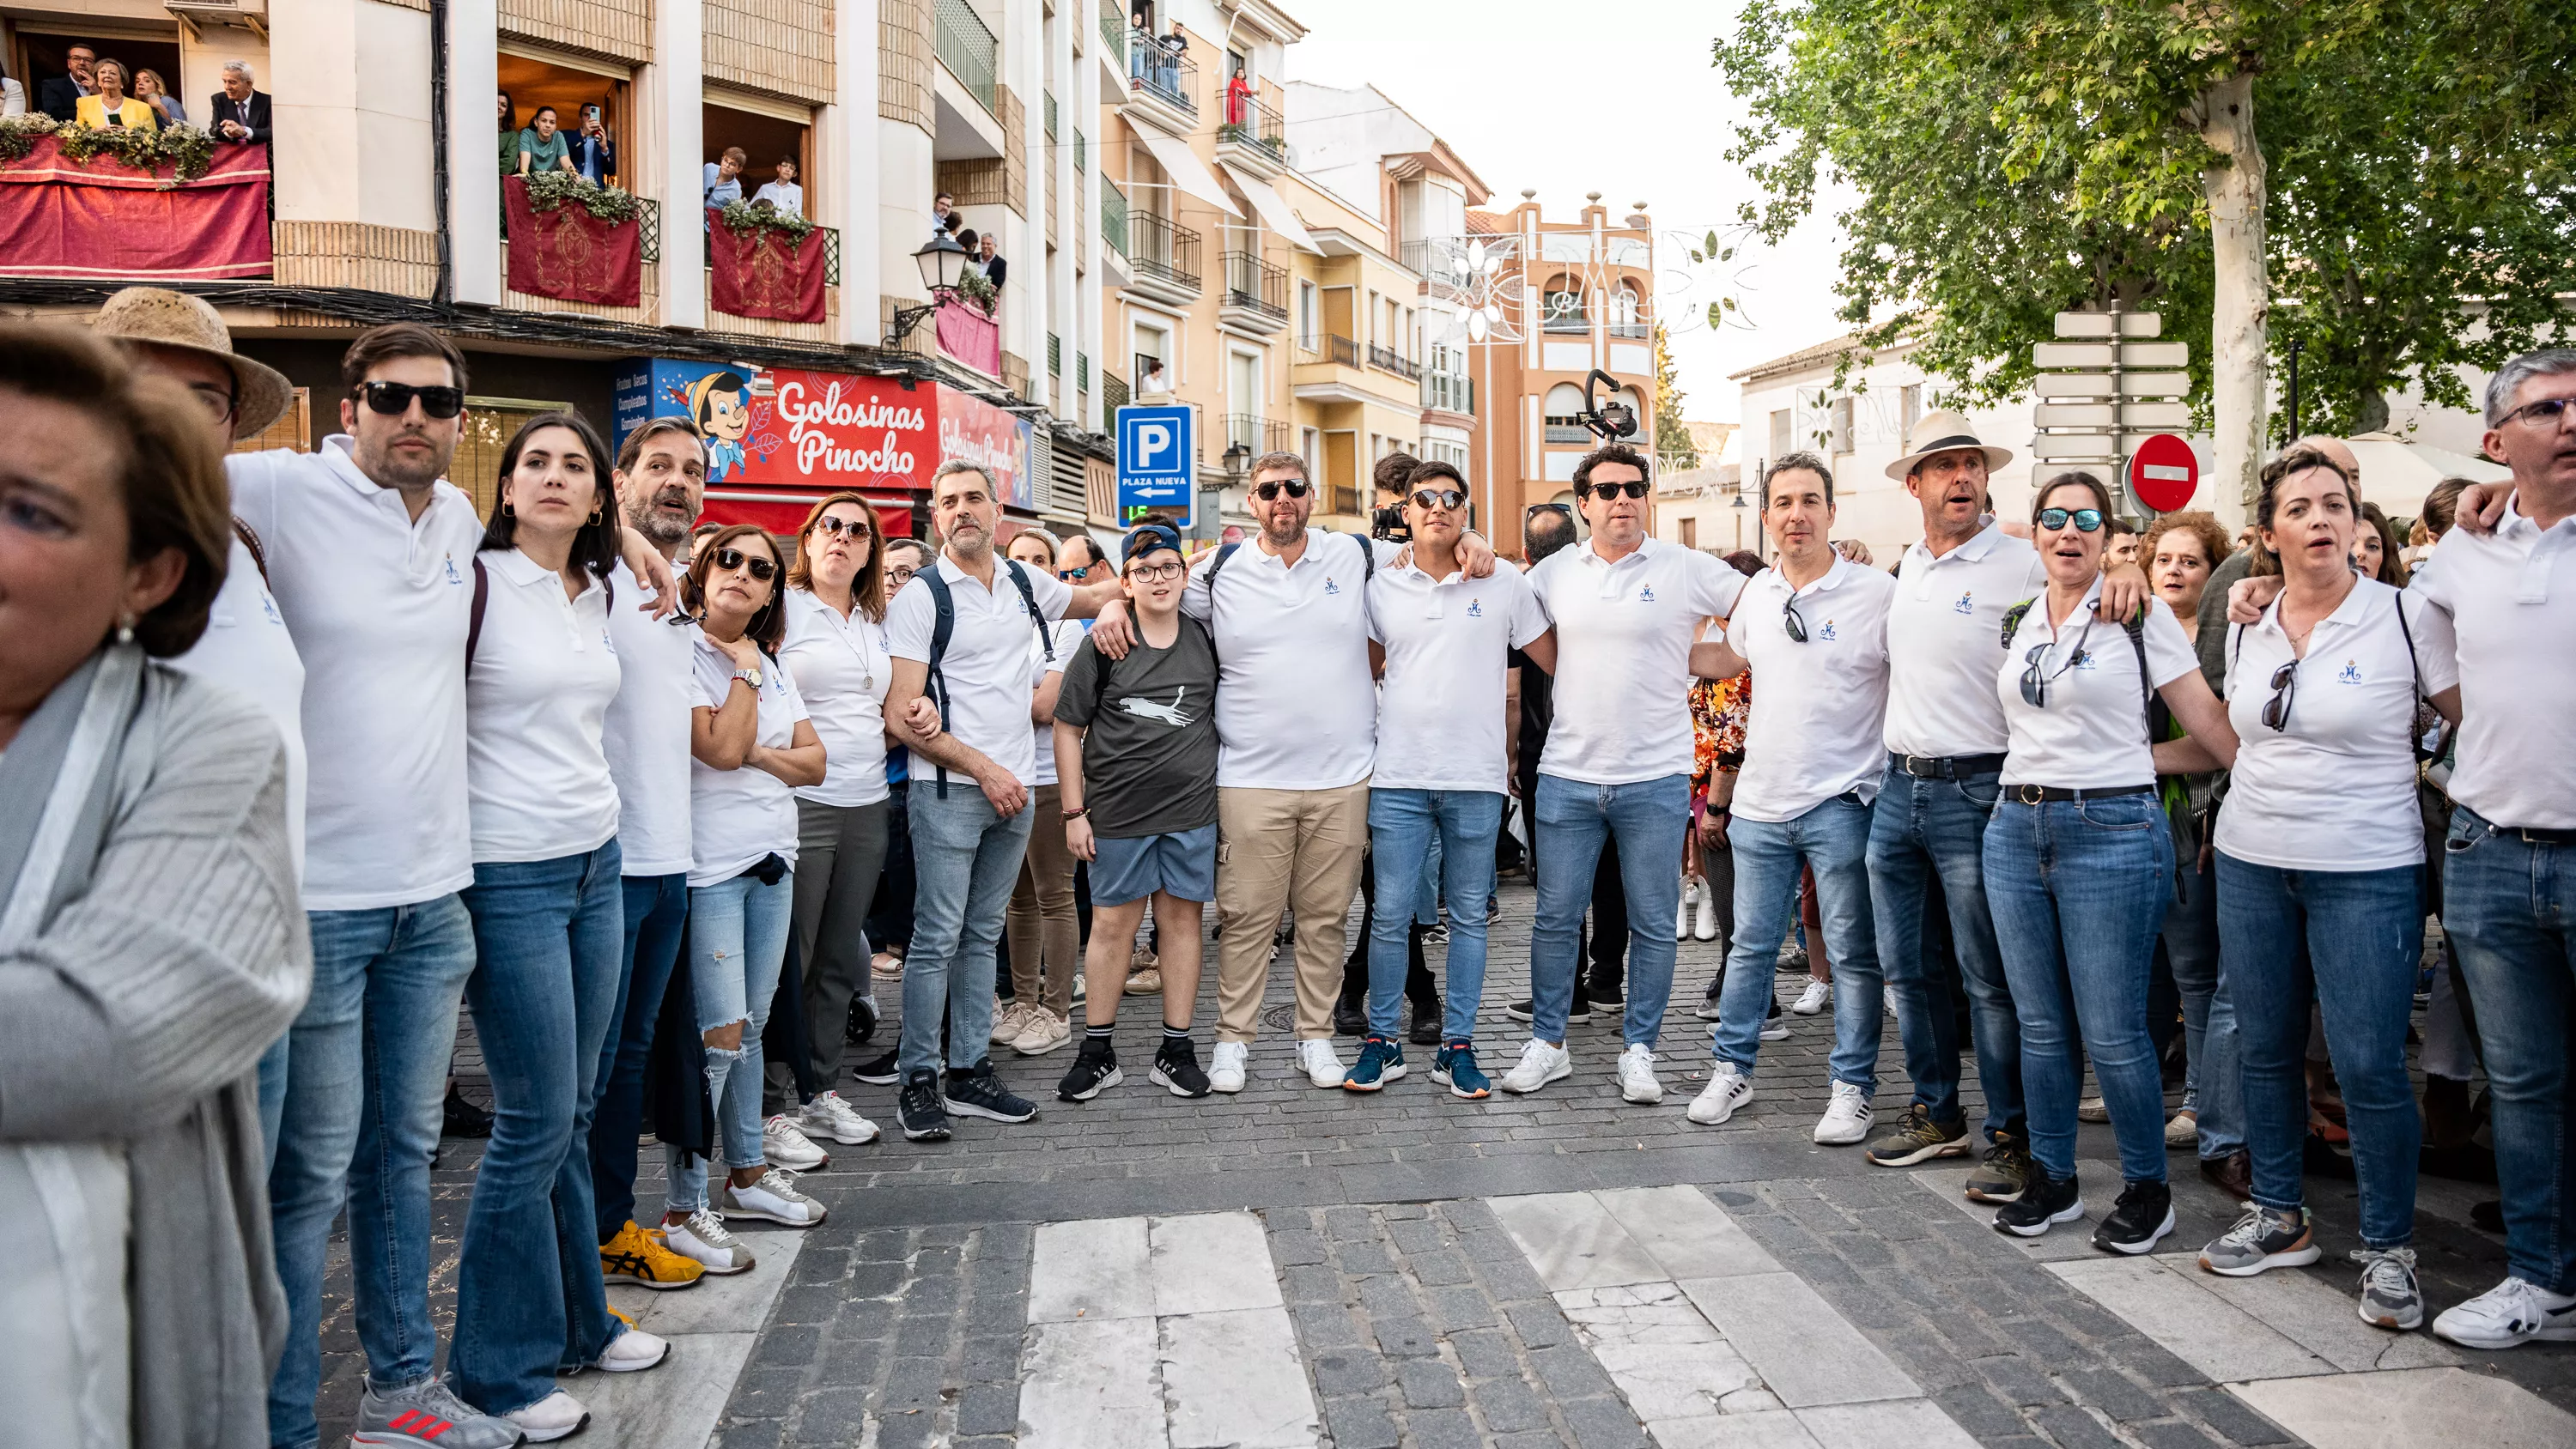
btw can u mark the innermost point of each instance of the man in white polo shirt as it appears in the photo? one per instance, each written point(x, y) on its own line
point(968, 801)
point(1618, 758)
point(1813, 628)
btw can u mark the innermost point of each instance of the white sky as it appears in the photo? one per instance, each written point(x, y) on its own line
point(1614, 96)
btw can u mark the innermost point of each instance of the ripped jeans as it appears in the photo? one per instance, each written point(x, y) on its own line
point(737, 946)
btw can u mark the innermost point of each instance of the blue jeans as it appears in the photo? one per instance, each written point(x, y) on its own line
point(657, 910)
point(965, 860)
point(529, 1300)
point(1920, 830)
point(2213, 1084)
point(1456, 828)
point(2364, 933)
point(2078, 889)
point(1769, 856)
point(358, 1117)
point(2510, 907)
point(1647, 819)
point(737, 946)
point(1426, 909)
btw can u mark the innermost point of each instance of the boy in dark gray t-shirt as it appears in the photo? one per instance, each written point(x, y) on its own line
point(1135, 750)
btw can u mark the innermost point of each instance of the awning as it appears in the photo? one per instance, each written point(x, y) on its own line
point(1188, 172)
point(1273, 208)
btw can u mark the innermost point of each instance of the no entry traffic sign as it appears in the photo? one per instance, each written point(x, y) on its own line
point(2163, 473)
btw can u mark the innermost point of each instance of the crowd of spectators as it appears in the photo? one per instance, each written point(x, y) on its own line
point(104, 91)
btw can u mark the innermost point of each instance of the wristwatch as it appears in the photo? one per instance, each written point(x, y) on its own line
point(749, 676)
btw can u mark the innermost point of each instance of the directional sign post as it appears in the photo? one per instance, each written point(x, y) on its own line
point(1157, 463)
point(2099, 402)
point(2163, 473)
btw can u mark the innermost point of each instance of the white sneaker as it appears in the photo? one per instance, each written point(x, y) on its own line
point(830, 1116)
point(784, 1144)
point(2512, 1313)
point(1323, 1065)
point(1706, 929)
point(1846, 1118)
point(633, 1351)
point(1539, 1065)
point(1691, 889)
point(1044, 1032)
point(1637, 1077)
point(1009, 1022)
point(556, 1416)
point(1225, 1067)
point(1726, 1091)
point(1813, 999)
point(773, 1199)
point(705, 1240)
point(1774, 1029)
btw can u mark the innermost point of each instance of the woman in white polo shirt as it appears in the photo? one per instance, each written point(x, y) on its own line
point(2320, 843)
point(750, 746)
point(2079, 865)
point(836, 650)
point(549, 928)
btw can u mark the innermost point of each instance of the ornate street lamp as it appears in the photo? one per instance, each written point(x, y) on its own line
point(942, 262)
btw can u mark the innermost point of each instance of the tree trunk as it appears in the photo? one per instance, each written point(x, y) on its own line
point(2234, 184)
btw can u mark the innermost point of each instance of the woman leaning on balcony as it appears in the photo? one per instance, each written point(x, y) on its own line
point(112, 106)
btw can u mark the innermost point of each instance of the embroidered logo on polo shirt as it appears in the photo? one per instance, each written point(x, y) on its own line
point(1964, 606)
point(2351, 672)
point(268, 606)
point(1475, 609)
point(451, 570)
point(1329, 586)
point(2083, 659)
point(1828, 631)
point(1645, 593)
point(607, 643)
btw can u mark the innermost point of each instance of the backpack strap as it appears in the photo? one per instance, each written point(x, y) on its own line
point(250, 540)
point(1368, 557)
point(1029, 596)
point(1224, 551)
point(943, 610)
point(2012, 620)
point(2415, 673)
point(474, 619)
point(2135, 627)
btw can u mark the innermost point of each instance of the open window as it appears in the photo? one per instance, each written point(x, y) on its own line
point(777, 141)
point(576, 89)
point(43, 47)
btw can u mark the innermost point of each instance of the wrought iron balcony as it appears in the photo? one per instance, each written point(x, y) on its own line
point(1160, 73)
point(967, 47)
point(1163, 249)
point(1253, 283)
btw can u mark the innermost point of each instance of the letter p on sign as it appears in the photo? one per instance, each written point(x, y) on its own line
point(1153, 440)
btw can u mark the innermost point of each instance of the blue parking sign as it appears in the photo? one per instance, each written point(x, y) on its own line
point(1157, 462)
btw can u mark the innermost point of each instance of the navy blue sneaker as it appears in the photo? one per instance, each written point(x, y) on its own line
point(1381, 1061)
point(1455, 1068)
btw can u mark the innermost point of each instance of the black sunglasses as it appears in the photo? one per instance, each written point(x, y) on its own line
point(1634, 488)
point(1449, 498)
point(851, 526)
point(1790, 619)
point(393, 399)
point(2285, 687)
point(2034, 683)
point(2087, 520)
point(1293, 487)
point(730, 559)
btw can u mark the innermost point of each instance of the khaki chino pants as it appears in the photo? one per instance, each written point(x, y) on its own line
point(1275, 849)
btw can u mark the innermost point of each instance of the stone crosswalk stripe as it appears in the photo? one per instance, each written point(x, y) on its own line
point(712, 1328)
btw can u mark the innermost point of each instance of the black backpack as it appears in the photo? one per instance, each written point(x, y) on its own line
point(944, 623)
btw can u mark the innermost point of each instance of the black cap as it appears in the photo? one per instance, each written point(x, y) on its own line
point(1149, 537)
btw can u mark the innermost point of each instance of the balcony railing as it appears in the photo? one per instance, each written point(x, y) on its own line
point(966, 46)
point(1113, 214)
point(1567, 432)
point(1449, 391)
point(1113, 30)
point(1630, 326)
point(1174, 78)
point(1570, 319)
point(1250, 123)
point(1163, 248)
point(1331, 347)
point(1255, 435)
point(1387, 359)
point(1113, 392)
point(1254, 283)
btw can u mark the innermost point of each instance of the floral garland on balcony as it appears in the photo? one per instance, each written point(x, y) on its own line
point(548, 190)
point(18, 133)
point(186, 150)
point(746, 217)
point(977, 288)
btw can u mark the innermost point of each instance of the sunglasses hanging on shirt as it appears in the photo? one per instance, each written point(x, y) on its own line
point(2285, 688)
point(2035, 682)
point(1791, 620)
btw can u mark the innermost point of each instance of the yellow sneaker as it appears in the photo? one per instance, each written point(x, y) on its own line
point(643, 1259)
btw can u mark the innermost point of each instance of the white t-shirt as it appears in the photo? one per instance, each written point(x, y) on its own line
point(986, 666)
point(842, 669)
point(646, 731)
point(1944, 630)
point(2335, 789)
point(2509, 601)
point(377, 602)
point(1296, 706)
point(1065, 636)
point(246, 648)
point(1447, 641)
point(738, 816)
point(2093, 734)
point(1623, 641)
point(1815, 728)
point(536, 695)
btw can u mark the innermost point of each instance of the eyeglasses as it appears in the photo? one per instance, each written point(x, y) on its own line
point(898, 575)
point(854, 529)
point(1634, 488)
point(1157, 573)
point(2549, 412)
point(218, 401)
point(1449, 498)
point(1293, 487)
point(2034, 683)
point(730, 559)
point(2285, 688)
point(2086, 520)
point(393, 399)
point(1792, 620)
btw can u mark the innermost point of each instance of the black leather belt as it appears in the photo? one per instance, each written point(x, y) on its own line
point(1940, 767)
point(2050, 794)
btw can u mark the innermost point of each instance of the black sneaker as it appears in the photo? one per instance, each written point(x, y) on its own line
point(1606, 994)
point(2143, 1215)
point(918, 1109)
point(1581, 1015)
point(1350, 1018)
point(460, 1117)
point(861, 1028)
point(879, 1071)
point(1426, 1024)
point(2044, 1203)
point(1176, 1066)
point(977, 1092)
point(1094, 1071)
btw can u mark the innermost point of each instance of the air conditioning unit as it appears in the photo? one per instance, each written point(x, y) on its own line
point(251, 15)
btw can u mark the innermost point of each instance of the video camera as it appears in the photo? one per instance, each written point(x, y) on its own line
point(1609, 421)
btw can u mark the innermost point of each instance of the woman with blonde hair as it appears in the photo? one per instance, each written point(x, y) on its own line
point(152, 91)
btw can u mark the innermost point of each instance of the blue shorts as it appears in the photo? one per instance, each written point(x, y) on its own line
point(1181, 864)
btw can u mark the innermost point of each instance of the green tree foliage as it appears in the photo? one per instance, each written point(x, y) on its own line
point(1673, 446)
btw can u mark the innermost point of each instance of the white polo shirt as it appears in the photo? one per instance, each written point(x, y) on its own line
point(1943, 631)
point(536, 698)
point(1296, 705)
point(2510, 602)
point(1623, 641)
point(736, 817)
point(646, 730)
point(842, 668)
point(1818, 711)
point(377, 602)
point(1447, 642)
point(986, 667)
point(2093, 734)
point(246, 648)
point(2335, 788)
point(1065, 636)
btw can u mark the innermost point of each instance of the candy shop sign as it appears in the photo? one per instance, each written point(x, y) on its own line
point(835, 429)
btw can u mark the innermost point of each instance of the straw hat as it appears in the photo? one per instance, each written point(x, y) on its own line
point(174, 319)
point(1939, 432)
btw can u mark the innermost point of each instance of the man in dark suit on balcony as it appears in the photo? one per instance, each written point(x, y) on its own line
point(996, 270)
point(60, 96)
point(239, 112)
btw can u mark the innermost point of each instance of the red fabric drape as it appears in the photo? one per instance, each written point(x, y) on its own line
point(102, 218)
point(974, 339)
point(763, 274)
point(571, 255)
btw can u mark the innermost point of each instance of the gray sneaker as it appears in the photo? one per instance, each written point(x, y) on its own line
point(2263, 1238)
point(426, 1415)
point(2389, 1297)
